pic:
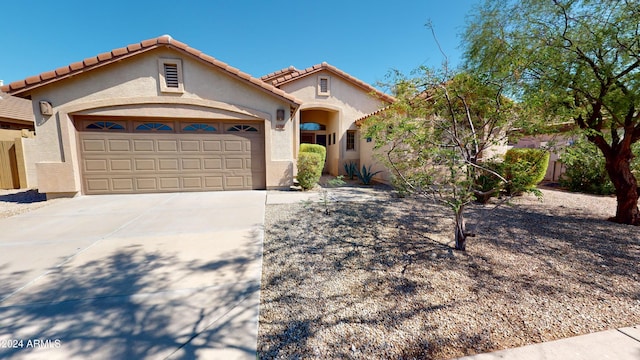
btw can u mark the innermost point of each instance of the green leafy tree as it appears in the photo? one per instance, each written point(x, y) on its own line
point(434, 135)
point(577, 59)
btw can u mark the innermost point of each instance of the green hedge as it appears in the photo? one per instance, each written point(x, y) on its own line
point(524, 169)
point(314, 148)
point(310, 166)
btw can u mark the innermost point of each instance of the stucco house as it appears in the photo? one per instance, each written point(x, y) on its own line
point(160, 116)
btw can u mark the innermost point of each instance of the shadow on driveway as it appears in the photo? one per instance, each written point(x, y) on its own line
point(119, 308)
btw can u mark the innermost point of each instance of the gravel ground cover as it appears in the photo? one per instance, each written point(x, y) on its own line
point(14, 202)
point(379, 279)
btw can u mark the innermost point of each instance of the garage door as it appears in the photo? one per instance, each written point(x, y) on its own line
point(135, 156)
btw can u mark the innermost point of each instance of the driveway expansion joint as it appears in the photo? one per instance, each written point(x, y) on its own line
point(629, 335)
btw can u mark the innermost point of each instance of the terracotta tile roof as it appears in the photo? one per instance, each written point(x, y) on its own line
point(15, 108)
point(291, 74)
point(280, 73)
point(88, 64)
point(359, 121)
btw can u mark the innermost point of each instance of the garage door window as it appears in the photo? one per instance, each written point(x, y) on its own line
point(153, 127)
point(199, 128)
point(242, 128)
point(105, 125)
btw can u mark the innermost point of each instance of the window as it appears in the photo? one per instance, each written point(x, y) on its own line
point(242, 128)
point(171, 75)
point(153, 127)
point(199, 128)
point(334, 139)
point(105, 125)
point(351, 140)
point(312, 126)
point(324, 87)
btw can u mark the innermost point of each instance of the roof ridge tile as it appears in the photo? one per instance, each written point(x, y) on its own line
point(134, 47)
point(119, 51)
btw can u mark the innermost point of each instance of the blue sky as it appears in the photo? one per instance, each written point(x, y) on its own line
point(364, 38)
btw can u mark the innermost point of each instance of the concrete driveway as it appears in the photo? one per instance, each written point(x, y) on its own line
point(149, 276)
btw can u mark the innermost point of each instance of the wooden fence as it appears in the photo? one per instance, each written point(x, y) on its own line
point(9, 174)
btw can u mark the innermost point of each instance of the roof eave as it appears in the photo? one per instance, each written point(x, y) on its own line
point(23, 87)
point(289, 78)
point(15, 89)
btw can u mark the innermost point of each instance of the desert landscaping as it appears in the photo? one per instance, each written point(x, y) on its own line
point(379, 279)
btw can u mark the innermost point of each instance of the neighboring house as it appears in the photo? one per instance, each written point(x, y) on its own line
point(16, 140)
point(160, 116)
point(555, 144)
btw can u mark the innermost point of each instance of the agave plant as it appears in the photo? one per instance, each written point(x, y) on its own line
point(351, 169)
point(365, 175)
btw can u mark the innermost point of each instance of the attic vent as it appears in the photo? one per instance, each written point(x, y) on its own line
point(323, 85)
point(171, 75)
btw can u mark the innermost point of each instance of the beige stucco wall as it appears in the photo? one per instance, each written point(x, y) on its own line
point(345, 104)
point(131, 88)
point(369, 157)
point(30, 179)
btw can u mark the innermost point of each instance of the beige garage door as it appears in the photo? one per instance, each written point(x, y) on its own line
point(131, 156)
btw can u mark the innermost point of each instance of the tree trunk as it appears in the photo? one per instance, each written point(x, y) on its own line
point(461, 236)
point(619, 169)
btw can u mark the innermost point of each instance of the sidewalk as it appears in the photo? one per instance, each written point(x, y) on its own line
point(337, 194)
point(616, 344)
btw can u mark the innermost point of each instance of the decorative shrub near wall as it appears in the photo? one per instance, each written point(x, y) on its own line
point(524, 168)
point(310, 166)
point(314, 148)
point(311, 169)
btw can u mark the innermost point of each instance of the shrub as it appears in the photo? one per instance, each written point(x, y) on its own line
point(487, 183)
point(585, 171)
point(524, 169)
point(310, 166)
point(314, 148)
point(585, 168)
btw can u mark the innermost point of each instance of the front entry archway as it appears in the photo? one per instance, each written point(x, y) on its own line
point(321, 126)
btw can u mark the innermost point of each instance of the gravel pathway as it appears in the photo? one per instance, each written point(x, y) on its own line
point(378, 279)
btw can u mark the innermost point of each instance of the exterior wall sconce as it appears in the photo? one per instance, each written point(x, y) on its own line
point(46, 108)
point(280, 119)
